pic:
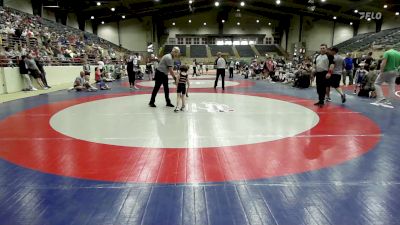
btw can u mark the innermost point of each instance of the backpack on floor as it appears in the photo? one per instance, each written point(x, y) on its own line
point(304, 82)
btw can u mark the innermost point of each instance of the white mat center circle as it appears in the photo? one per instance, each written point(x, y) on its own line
point(211, 120)
point(194, 83)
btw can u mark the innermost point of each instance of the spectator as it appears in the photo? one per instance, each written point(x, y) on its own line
point(360, 73)
point(34, 70)
point(367, 83)
point(40, 66)
point(388, 73)
point(23, 70)
point(82, 83)
point(348, 72)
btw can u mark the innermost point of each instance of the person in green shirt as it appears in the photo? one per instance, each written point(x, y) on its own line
point(388, 73)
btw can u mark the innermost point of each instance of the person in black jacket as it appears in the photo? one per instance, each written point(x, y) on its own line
point(23, 70)
point(39, 64)
point(132, 68)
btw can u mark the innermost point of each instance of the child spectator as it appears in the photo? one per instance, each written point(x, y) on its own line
point(367, 83)
point(100, 81)
point(82, 83)
point(360, 73)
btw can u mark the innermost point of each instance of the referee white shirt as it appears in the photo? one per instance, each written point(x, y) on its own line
point(221, 63)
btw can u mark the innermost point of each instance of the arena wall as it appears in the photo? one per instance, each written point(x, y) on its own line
point(21, 5)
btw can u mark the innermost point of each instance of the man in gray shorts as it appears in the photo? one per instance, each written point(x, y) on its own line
point(389, 72)
point(165, 66)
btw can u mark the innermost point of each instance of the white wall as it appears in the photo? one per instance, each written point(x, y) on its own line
point(72, 20)
point(88, 26)
point(367, 27)
point(294, 31)
point(135, 34)
point(317, 33)
point(196, 27)
point(2, 81)
point(343, 32)
point(390, 22)
point(21, 5)
point(109, 32)
point(248, 25)
point(48, 14)
point(55, 75)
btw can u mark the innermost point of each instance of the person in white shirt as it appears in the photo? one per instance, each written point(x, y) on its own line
point(231, 67)
point(100, 65)
point(194, 68)
point(220, 66)
point(324, 65)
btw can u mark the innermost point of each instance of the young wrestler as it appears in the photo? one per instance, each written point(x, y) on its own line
point(181, 80)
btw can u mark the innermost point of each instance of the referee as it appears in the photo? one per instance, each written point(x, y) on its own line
point(220, 66)
point(165, 66)
point(324, 64)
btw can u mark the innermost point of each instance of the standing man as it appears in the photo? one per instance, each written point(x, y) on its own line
point(220, 66)
point(132, 69)
point(389, 71)
point(348, 66)
point(334, 80)
point(165, 66)
point(324, 65)
point(231, 67)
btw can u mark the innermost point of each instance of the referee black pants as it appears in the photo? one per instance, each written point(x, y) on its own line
point(321, 85)
point(160, 79)
point(220, 72)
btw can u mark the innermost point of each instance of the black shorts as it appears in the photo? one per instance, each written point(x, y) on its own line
point(34, 73)
point(181, 88)
point(334, 80)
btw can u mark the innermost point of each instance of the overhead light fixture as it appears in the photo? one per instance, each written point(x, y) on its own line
point(173, 24)
point(205, 24)
point(190, 21)
point(355, 11)
point(334, 17)
point(113, 9)
point(322, 0)
point(99, 3)
point(242, 3)
point(278, 2)
point(190, 1)
point(216, 4)
point(51, 6)
point(257, 21)
point(92, 17)
point(123, 16)
point(269, 24)
point(102, 22)
point(351, 23)
point(238, 23)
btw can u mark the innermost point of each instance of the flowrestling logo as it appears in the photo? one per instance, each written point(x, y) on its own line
point(370, 15)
